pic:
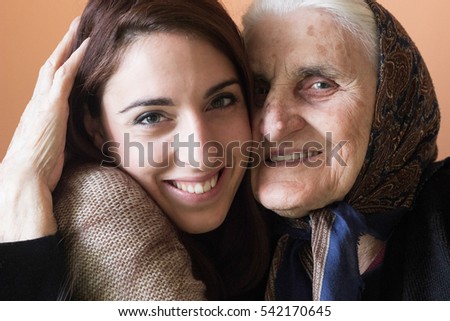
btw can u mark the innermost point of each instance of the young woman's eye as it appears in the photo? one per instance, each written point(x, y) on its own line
point(150, 119)
point(223, 101)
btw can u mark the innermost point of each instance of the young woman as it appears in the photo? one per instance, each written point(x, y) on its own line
point(160, 83)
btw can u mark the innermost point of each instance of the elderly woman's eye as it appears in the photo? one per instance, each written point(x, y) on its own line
point(321, 85)
point(316, 88)
point(262, 89)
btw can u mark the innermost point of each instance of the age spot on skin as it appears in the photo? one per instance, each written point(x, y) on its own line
point(322, 50)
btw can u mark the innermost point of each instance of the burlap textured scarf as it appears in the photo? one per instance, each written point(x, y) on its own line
point(317, 259)
point(119, 245)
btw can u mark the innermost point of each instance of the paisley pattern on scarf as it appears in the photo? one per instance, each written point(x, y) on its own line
point(402, 144)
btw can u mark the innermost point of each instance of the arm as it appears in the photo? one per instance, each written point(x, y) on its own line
point(31, 270)
point(33, 163)
point(31, 265)
point(119, 244)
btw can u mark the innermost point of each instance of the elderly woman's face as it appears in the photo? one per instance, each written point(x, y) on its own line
point(315, 104)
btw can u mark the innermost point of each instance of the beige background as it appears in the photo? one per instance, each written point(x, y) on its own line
point(30, 29)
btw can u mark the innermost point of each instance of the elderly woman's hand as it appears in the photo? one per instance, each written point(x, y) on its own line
point(33, 163)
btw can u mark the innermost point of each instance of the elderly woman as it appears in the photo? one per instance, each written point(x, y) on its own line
point(347, 107)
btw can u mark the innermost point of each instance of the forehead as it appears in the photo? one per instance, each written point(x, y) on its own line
point(301, 39)
point(171, 56)
point(166, 65)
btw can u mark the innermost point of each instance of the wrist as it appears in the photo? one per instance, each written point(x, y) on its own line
point(26, 208)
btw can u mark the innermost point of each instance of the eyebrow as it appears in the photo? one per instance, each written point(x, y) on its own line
point(303, 72)
point(148, 102)
point(221, 86)
point(317, 70)
point(169, 102)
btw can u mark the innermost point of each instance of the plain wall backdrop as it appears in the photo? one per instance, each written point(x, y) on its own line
point(30, 29)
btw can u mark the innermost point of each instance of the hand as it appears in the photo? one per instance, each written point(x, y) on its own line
point(37, 147)
point(34, 160)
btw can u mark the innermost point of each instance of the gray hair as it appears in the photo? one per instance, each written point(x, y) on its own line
point(355, 17)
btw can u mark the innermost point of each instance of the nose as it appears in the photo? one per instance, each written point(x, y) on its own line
point(189, 144)
point(280, 116)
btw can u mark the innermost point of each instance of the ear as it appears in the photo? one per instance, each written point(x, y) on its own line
point(95, 129)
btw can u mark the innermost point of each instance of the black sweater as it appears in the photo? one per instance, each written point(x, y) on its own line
point(417, 258)
point(31, 270)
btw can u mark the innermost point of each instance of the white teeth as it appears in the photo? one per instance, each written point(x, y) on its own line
point(285, 158)
point(207, 186)
point(294, 156)
point(197, 187)
point(214, 181)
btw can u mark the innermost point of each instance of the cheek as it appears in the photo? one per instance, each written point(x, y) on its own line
point(236, 140)
point(138, 153)
point(352, 125)
point(360, 129)
point(352, 132)
point(158, 152)
point(236, 130)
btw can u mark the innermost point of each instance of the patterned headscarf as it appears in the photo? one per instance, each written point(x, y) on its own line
point(321, 253)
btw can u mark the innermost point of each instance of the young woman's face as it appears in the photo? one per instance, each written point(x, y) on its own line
point(176, 109)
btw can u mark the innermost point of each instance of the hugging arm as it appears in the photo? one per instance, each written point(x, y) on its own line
point(34, 160)
point(30, 258)
point(118, 243)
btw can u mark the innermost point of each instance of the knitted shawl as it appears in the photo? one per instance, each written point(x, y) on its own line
point(119, 245)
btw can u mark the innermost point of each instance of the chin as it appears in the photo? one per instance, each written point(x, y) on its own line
point(291, 213)
point(283, 208)
point(202, 226)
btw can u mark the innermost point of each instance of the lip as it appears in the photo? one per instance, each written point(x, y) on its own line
point(279, 157)
point(193, 198)
point(192, 179)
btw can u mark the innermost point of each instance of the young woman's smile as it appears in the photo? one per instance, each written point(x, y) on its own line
point(174, 106)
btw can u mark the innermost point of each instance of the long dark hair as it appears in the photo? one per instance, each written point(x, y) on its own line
point(234, 258)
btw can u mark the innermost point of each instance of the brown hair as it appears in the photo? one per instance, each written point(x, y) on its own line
point(237, 260)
